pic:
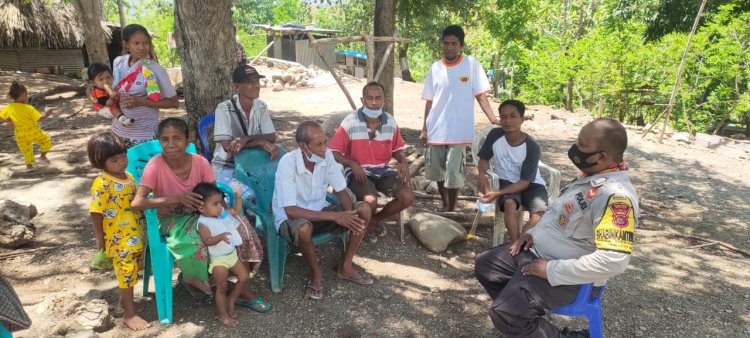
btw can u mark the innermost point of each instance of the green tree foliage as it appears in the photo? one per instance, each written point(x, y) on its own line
point(156, 15)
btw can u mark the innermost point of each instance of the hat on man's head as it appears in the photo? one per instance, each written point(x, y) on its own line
point(245, 73)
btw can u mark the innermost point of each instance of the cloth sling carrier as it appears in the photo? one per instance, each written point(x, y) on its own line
point(152, 87)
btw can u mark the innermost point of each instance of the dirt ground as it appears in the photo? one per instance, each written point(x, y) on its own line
point(671, 289)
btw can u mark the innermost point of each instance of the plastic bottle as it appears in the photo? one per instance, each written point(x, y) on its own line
point(485, 207)
point(246, 192)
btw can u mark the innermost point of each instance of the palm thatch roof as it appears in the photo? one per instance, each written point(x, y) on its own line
point(40, 24)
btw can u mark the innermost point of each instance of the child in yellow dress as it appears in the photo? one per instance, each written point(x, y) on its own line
point(119, 230)
point(23, 117)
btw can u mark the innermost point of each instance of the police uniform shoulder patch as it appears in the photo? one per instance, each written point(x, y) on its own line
point(616, 229)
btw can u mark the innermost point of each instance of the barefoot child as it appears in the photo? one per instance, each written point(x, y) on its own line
point(118, 229)
point(103, 98)
point(219, 233)
point(23, 117)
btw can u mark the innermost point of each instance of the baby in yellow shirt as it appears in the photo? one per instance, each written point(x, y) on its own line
point(23, 118)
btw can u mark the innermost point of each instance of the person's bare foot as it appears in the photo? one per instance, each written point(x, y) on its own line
point(226, 320)
point(44, 159)
point(136, 323)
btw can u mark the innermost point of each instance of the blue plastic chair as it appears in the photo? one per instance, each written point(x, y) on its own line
point(161, 260)
point(203, 124)
point(254, 168)
point(4, 333)
point(586, 306)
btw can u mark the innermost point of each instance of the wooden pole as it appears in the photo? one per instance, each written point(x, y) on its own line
point(263, 51)
point(668, 110)
point(382, 64)
point(351, 39)
point(370, 50)
point(331, 69)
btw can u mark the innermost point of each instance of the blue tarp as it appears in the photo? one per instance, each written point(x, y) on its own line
point(360, 55)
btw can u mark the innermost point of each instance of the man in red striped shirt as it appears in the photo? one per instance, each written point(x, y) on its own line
point(364, 144)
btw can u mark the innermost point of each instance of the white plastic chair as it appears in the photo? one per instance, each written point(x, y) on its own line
point(553, 186)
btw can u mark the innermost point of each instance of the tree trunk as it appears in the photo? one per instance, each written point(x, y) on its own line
point(403, 50)
point(121, 12)
point(207, 59)
point(385, 25)
point(90, 13)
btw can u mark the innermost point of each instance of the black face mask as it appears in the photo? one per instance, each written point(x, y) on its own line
point(579, 158)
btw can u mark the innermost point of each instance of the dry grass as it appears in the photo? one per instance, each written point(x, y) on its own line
point(41, 23)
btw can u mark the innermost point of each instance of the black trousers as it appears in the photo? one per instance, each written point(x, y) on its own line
point(519, 303)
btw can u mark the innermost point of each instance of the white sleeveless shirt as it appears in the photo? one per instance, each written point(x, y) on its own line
point(218, 226)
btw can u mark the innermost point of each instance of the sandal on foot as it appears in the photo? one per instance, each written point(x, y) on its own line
point(312, 292)
point(380, 230)
point(371, 238)
point(361, 278)
point(257, 305)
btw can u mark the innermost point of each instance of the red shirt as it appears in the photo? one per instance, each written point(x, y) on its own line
point(352, 139)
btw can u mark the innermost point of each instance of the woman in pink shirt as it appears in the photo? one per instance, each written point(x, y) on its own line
point(171, 178)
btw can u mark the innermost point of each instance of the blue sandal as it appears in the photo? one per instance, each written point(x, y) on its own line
point(257, 305)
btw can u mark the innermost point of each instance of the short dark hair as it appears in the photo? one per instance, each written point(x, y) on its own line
point(102, 147)
point(303, 131)
point(614, 139)
point(207, 190)
point(96, 69)
point(173, 122)
point(16, 89)
point(454, 30)
point(372, 84)
point(515, 103)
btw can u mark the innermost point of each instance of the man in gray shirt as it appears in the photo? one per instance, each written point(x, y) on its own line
point(585, 237)
point(242, 122)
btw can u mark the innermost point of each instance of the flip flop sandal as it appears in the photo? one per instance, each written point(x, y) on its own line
point(310, 295)
point(360, 279)
point(380, 230)
point(257, 305)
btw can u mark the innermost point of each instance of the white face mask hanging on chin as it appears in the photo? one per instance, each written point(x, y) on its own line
point(313, 158)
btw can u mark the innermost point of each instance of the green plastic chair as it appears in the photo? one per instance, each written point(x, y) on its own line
point(254, 168)
point(158, 261)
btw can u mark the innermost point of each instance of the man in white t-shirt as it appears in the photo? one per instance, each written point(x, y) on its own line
point(450, 88)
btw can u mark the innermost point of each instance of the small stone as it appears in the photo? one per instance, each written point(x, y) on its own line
point(728, 310)
point(443, 265)
point(386, 297)
point(450, 252)
point(642, 328)
point(638, 333)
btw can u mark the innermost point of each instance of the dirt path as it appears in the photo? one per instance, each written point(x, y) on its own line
point(669, 290)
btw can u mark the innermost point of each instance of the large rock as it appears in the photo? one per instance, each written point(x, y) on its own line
point(332, 122)
point(435, 232)
point(16, 228)
point(93, 315)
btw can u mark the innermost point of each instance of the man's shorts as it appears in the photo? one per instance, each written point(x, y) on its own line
point(534, 198)
point(126, 264)
point(289, 229)
point(227, 261)
point(386, 184)
point(446, 163)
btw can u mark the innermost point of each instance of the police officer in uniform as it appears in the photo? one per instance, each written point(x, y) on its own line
point(586, 236)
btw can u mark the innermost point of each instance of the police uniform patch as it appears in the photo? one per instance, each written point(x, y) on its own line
point(463, 79)
point(569, 207)
point(563, 221)
point(616, 229)
point(592, 193)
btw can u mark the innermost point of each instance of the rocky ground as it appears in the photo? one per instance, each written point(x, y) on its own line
point(676, 286)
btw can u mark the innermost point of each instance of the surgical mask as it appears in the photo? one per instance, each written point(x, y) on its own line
point(579, 158)
point(371, 113)
point(313, 158)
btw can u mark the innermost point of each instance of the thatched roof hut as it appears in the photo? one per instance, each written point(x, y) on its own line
point(41, 33)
